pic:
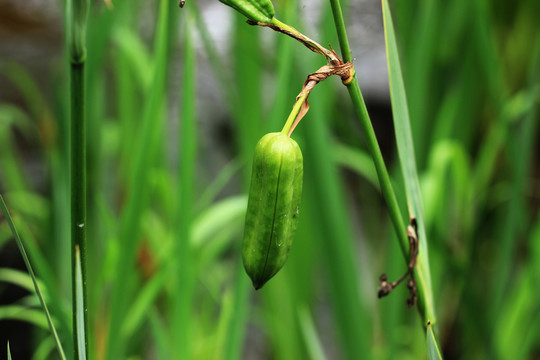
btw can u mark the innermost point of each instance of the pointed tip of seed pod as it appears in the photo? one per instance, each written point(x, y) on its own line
point(258, 284)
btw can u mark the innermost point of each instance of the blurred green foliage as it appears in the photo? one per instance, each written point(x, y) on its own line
point(165, 227)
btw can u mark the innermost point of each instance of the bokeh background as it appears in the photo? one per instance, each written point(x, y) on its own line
point(169, 163)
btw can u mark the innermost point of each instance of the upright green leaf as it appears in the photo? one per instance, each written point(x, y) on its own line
point(408, 164)
point(19, 242)
point(79, 293)
point(433, 348)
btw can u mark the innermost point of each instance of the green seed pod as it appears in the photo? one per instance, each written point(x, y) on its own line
point(255, 10)
point(272, 212)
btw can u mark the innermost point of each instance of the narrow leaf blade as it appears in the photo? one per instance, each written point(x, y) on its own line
point(19, 242)
point(434, 353)
point(81, 338)
point(408, 163)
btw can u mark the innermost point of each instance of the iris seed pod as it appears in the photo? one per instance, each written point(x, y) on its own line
point(273, 204)
point(255, 10)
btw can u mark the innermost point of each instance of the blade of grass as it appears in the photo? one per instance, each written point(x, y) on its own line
point(408, 166)
point(248, 107)
point(433, 348)
point(518, 316)
point(216, 217)
point(351, 318)
point(284, 94)
point(313, 343)
point(369, 133)
point(12, 176)
point(384, 179)
point(522, 149)
point(23, 313)
point(52, 133)
point(136, 54)
point(221, 328)
point(29, 89)
point(217, 185)
point(19, 242)
point(247, 117)
point(491, 67)
point(142, 156)
point(349, 310)
point(280, 318)
point(40, 264)
point(185, 279)
point(18, 278)
point(143, 303)
point(158, 332)
point(236, 326)
point(420, 60)
point(80, 314)
point(8, 352)
point(44, 350)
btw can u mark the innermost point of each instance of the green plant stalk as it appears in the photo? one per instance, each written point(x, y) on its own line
point(380, 167)
point(77, 18)
point(341, 32)
point(294, 113)
point(183, 299)
point(78, 187)
point(375, 151)
point(382, 173)
point(373, 146)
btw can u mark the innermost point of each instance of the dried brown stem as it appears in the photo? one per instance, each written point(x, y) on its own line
point(386, 287)
point(343, 70)
point(330, 55)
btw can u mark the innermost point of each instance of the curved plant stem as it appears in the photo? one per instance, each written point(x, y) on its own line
point(301, 106)
point(312, 45)
point(288, 128)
